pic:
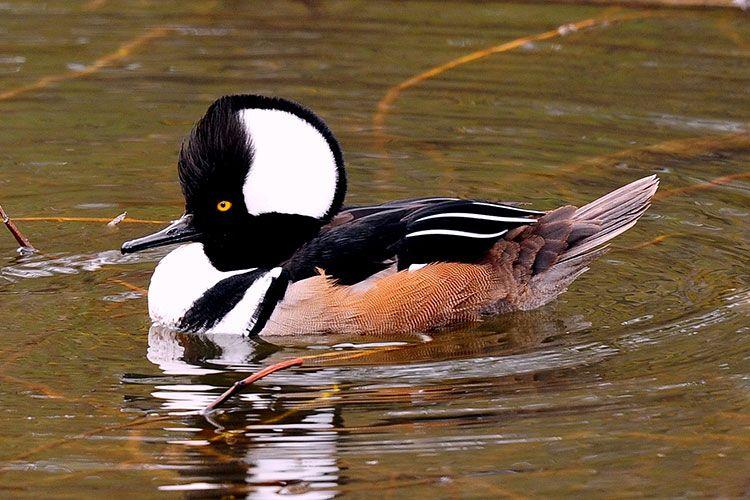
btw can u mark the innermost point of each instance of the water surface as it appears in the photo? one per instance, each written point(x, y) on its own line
point(635, 382)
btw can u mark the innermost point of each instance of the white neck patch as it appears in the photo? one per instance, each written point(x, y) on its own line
point(179, 280)
point(293, 170)
point(185, 274)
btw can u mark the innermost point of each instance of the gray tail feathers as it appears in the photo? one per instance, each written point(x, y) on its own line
point(614, 213)
point(593, 225)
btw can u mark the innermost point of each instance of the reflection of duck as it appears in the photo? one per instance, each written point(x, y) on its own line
point(277, 446)
point(306, 458)
point(278, 453)
point(271, 455)
point(509, 335)
point(178, 353)
point(269, 249)
point(269, 451)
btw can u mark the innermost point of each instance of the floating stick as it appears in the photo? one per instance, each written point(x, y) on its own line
point(117, 219)
point(282, 365)
point(23, 241)
point(91, 219)
point(122, 52)
point(240, 384)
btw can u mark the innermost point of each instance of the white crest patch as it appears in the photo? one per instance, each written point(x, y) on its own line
point(179, 280)
point(293, 170)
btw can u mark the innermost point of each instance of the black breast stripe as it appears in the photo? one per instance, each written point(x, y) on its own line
point(218, 300)
point(273, 296)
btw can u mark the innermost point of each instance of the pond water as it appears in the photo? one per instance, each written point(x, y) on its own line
point(635, 382)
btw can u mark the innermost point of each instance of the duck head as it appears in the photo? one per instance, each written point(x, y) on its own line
point(260, 176)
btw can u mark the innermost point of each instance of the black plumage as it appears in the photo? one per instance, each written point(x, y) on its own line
point(220, 299)
point(273, 295)
point(213, 165)
point(217, 301)
point(364, 240)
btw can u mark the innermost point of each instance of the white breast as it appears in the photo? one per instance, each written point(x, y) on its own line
point(239, 319)
point(184, 275)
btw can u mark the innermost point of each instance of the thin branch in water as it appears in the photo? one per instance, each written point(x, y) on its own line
point(129, 286)
point(710, 184)
point(334, 356)
point(25, 245)
point(688, 149)
point(680, 4)
point(8, 356)
point(35, 386)
point(145, 420)
point(122, 52)
point(656, 241)
point(90, 219)
point(93, 5)
point(117, 219)
point(386, 103)
point(240, 384)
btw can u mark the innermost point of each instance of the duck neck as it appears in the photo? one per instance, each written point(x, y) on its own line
point(269, 241)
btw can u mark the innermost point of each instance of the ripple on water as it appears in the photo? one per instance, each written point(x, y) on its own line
point(634, 382)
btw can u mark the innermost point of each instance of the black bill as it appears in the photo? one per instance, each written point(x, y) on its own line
point(178, 231)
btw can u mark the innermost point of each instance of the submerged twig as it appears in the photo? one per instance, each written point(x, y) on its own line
point(709, 184)
point(240, 384)
point(59, 442)
point(394, 92)
point(92, 5)
point(656, 241)
point(35, 386)
point(705, 4)
point(122, 52)
point(282, 365)
point(129, 286)
point(117, 219)
point(105, 220)
point(23, 241)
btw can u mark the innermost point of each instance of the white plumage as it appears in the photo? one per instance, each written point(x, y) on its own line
point(184, 275)
point(293, 169)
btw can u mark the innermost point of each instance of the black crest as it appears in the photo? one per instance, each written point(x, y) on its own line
point(213, 167)
point(217, 155)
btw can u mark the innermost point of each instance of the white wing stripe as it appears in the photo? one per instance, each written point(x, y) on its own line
point(477, 216)
point(507, 207)
point(450, 232)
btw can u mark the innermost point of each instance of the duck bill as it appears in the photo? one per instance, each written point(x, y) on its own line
point(178, 231)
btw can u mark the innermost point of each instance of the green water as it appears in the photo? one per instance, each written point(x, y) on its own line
point(636, 382)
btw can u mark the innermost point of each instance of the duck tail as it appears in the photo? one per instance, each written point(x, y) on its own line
point(614, 213)
point(560, 247)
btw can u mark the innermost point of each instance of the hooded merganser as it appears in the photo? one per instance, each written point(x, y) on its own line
point(268, 249)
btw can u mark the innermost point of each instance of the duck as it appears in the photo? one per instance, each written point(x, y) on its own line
point(267, 248)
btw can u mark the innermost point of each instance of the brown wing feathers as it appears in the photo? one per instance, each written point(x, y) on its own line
point(529, 267)
point(437, 295)
point(567, 239)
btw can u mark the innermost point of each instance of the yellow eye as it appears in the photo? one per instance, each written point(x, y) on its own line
point(223, 205)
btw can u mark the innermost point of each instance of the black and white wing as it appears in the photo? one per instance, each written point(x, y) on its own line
point(362, 241)
point(458, 231)
point(402, 207)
